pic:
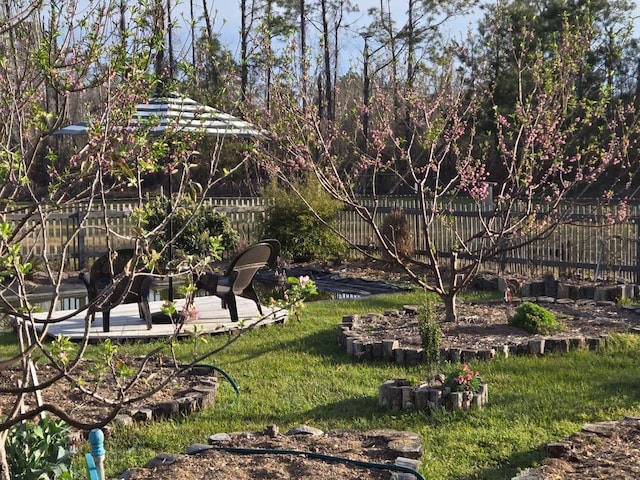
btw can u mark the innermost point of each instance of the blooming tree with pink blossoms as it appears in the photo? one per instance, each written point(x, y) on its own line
point(549, 151)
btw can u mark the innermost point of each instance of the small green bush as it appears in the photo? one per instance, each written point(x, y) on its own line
point(535, 319)
point(39, 451)
point(199, 226)
point(430, 332)
point(302, 235)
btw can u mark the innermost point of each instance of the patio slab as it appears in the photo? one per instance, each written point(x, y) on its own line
point(125, 323)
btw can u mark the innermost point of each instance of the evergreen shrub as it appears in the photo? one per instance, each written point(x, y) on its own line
point(199, 226)
point(535, 319)
point(302, 235)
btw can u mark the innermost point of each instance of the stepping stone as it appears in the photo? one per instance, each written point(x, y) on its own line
point(219, 438)
point(162, 459)
point(305, 430)
point(197, 448)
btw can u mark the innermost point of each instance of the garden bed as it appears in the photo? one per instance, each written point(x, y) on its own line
point(269, 455)
point(187, 393)
point(483, 331)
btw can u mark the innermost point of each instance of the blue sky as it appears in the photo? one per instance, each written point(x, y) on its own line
point(228, 24)
point(229, 11)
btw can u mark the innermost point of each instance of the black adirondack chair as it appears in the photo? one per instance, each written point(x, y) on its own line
point(239, 276)
point(116, 275)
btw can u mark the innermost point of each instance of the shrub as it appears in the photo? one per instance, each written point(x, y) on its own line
point(430, 332)
point(535, 319)
point(302, 235)
point(39, 451)
point(199, 226)
point(397, 229)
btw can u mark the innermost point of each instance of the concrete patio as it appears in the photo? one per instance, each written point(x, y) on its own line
point(125, 323)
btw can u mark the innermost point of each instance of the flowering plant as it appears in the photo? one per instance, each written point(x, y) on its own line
point(299, 288)
point(293, 297)
point(190, 312)
point(463, 379)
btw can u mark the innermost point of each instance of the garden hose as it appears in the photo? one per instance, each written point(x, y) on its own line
point(319, 456)
point(224, 374)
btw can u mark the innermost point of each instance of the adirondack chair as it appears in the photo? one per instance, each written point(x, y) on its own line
point(128, 289)
point(238, 277)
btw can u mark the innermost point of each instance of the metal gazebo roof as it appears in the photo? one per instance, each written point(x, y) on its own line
point(174, 113)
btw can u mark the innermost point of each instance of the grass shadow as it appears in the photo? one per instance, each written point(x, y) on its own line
point(509, 467)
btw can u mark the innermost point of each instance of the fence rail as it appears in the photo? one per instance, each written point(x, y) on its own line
point(589, 247)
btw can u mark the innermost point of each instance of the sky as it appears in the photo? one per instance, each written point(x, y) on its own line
point(228, 24)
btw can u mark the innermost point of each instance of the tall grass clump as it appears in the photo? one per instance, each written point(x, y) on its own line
point(430, 332)
point(303, 235)
point(397, 230)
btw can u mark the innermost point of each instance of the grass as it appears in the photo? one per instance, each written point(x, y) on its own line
point(296, 374)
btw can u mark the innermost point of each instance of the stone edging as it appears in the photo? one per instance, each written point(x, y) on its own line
point(189, 401)
point(549, 286)
point(406, 447)
point(400, 394)
point(391, 350)
point(565, 448)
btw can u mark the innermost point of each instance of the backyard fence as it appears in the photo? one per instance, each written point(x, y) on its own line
point(588, 247)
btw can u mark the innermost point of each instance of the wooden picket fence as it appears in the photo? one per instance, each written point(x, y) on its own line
point(590, 247)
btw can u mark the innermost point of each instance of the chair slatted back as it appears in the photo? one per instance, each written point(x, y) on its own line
point(246, 265)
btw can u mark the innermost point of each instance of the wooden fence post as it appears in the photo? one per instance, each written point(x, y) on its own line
point(81, 251)
point(636, 277)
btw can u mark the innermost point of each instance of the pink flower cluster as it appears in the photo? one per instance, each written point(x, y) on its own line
point(466, 379)
point(191, 313)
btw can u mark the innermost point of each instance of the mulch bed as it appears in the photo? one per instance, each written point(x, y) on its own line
point(483, 325)
point(111, 390)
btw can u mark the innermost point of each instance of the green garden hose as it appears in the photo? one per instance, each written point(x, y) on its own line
point(224, 374)
point(318, 456)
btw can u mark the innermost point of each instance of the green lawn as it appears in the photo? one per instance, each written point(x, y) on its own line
point(295, 373)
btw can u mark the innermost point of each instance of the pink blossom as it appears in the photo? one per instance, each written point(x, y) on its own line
point(191, 313)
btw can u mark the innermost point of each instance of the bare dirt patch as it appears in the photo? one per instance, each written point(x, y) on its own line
point(368, 447)
point(606, 450)
point(97, 398)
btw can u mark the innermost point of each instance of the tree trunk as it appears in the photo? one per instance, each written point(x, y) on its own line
point(366, 95)
point(304, 63)
point(449, 300)
point(159, 30)
point(326, 48)
point(244, 49)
